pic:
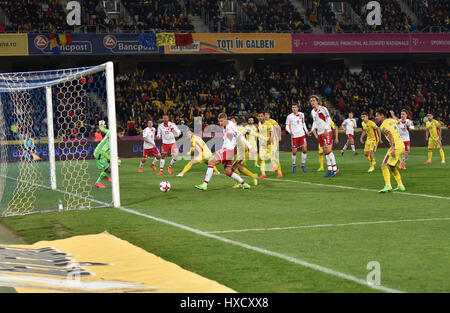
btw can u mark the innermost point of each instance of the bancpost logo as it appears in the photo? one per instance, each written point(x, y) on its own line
point(110, 42)
point(41, 42)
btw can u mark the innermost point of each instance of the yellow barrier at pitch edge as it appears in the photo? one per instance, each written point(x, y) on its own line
point(96, 263)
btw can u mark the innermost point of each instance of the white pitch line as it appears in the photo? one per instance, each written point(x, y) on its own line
point(266, 252)
point(356, 188)
point(327, 225)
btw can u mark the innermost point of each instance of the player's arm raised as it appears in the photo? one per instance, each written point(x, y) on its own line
point(102, 127)
point(393, 115)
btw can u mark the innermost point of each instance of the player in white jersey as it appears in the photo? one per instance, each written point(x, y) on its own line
point(322, 121)
point(150, 148)
point(404, 125)
point(296, 127)
point(231, 135)
point(168, 131)
point(349, 125)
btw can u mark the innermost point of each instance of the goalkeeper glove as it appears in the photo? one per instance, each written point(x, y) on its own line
point(118, 161)
point(102, 124)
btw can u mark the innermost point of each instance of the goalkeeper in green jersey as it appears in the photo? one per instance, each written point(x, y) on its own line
point(102, 155)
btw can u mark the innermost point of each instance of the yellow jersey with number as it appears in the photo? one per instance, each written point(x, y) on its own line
point(264, 132)
point(433, 129)
point(371, 130)
point(389, 126)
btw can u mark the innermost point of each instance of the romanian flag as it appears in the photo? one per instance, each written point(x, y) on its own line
point(64, 39)
point(59, 40)
point(184, 39)
point(165, 39)
point(54, 44)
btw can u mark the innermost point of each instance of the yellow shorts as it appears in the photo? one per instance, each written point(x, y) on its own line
point(264, 153)
point(204, 157)
point(397, 158)
point(434, 143)
point(370, 145)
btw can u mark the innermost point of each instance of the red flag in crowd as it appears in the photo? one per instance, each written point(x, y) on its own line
point(183, 39)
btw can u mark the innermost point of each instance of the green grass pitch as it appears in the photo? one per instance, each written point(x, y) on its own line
point(300, 233)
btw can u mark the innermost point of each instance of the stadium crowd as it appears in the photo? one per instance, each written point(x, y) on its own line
point(187, 93)
point(31, 16)
point(393, 18)
point(34, 16)
point(273, 16)
point(431, 12)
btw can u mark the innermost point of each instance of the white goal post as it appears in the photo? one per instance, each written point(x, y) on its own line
point(47, 125)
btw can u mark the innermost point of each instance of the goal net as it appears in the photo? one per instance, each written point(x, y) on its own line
point(47, 124)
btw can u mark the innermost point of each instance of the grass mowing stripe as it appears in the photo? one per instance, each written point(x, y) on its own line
point(266, 252)
point(356, 188)
point(328, 225)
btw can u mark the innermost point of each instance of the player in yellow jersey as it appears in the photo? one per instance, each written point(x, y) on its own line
point(373, 133)
point(394, 154)
point(202, 154)
point(274, 142)
point(242, 155)
point(251, 132)
point(264, 143)
point(336, 140)
point(434, 138)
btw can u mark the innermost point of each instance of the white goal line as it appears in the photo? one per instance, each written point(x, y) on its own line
point(327, 225)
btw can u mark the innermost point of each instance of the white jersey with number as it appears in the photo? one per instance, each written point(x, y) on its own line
point(231, 135)
point(149, 134)
point(295, 125)
point(321, 119)
point(168, 133)
point(349, 125)
point(404, 127)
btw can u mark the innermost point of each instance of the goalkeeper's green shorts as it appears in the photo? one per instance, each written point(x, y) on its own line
point(102, 164)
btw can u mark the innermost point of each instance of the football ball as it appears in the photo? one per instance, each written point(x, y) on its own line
point(164, 186)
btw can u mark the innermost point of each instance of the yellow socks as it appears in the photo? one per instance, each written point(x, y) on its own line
point(397, 176)
point(321, 160)
point(441, 151)
point(215, 170)
point(263, 166)
point(245, 171)
point(186, 168)
point(430, 154)
point(386, 175)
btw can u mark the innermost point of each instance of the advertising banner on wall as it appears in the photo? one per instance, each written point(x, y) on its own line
point(91, 44)
point(370, 43)
point(13, 44)
point(235, 43)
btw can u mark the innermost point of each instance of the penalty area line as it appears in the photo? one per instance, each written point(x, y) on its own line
point(328, 225)
point(266, 252)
